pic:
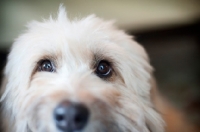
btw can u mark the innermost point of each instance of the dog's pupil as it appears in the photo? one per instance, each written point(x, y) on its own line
point(46, 66)
point(103, 68)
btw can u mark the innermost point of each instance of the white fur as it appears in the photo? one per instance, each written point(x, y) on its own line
point(125, 98)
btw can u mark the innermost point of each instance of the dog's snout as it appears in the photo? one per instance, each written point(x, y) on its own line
point(70, 117)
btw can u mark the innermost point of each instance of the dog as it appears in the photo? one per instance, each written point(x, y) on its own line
point(81, 75)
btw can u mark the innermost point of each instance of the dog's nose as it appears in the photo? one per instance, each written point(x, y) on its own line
point(71, 117)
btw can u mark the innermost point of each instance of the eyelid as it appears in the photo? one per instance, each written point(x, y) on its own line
point(110, 70)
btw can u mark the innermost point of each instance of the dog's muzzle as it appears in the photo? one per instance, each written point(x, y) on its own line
point(71, 117)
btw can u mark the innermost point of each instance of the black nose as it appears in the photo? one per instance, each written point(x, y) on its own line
point(71, 117)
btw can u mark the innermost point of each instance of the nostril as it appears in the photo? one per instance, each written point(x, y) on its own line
point(60, 113)
point(80, 116)
point(78, 119)
point(59, 117)
point(71, 116)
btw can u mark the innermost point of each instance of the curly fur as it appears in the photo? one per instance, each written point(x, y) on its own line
point(120, 104)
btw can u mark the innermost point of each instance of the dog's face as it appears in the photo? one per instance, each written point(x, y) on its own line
point(78, 76)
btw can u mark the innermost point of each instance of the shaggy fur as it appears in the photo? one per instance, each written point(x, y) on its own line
point(121, 103)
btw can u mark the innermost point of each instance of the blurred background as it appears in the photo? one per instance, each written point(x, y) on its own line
point(169, 30)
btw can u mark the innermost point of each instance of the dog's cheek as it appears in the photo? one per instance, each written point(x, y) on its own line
point(40, 117)
point(112, 96)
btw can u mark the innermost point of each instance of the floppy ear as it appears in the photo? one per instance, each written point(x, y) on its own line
point(140, 80)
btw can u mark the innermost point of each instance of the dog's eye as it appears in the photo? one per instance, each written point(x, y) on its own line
point(46, 65)
point(103, 69)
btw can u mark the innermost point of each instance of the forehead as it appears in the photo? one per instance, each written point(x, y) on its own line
point(79, 38)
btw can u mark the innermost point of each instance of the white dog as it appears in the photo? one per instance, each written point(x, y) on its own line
point(78, 76)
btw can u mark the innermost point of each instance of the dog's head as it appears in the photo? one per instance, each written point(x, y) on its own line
point(78, 76)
